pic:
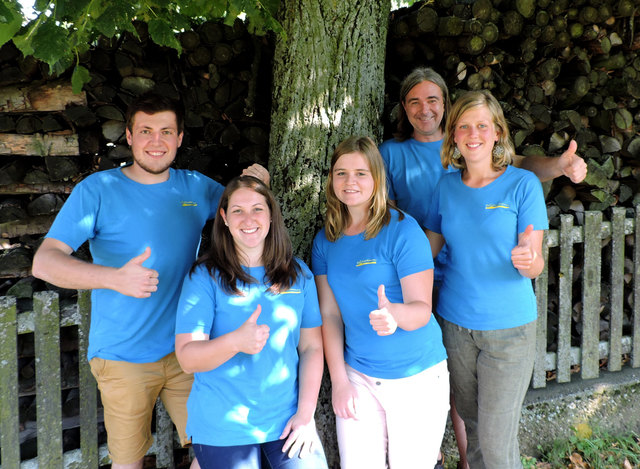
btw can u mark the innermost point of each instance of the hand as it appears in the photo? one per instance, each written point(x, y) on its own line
point(572, 165)
point(344, 399)
point(257, 171)
point(251, 336)
point(381, 319)
point(135, 280)
point(301, 437)
point(523, 255)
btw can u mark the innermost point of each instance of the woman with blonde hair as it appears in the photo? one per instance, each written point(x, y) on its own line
point(492, 217)
point(390, 385)
point(248, 327)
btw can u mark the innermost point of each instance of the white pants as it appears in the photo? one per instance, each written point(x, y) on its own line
point(399, 419)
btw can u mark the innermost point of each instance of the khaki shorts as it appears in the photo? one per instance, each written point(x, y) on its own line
point(129, 392)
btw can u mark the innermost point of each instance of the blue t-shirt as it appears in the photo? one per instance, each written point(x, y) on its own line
point(249, 398)
point(120, 218)
point(413, 171)
point(354, 269)
point(481, 289)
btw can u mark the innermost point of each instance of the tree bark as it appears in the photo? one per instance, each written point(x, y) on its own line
point(328, 80)
point(328, 84)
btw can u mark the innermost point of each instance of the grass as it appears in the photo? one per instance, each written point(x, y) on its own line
point(589, 449)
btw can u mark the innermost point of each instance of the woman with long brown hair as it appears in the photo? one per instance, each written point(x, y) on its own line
point(248, 327)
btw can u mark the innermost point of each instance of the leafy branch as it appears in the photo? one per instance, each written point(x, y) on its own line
point(63, 30)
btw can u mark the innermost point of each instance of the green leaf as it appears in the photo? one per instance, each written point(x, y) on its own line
point(162, 34)
point(23, 43)
point(70, 10)
point(112, 19)
point(79, 77)
point(50, 42)
point(10, 20)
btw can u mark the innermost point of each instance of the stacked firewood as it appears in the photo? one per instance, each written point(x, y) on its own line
point(562, 70)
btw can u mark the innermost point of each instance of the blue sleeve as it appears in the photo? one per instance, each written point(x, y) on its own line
point(412, 252)
point(434, 218)
point(318, 255)
point(386, 157)
point(76, 221)
point(311, 314)
point(532, 209)
point(196, 307)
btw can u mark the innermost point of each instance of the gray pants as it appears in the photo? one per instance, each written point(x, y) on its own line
point(490, 373)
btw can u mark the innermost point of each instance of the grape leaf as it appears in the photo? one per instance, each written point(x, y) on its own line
point(162, 34)
point(10, 20)
point(112, 19)
point(50, 42)
point(79, 77)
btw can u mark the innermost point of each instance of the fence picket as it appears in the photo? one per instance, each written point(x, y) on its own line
point(565, 301)
point(88, 387)
point(617, 289)
point(591, 282)
point(9, 404)
point(635, 345)
point(48, 387)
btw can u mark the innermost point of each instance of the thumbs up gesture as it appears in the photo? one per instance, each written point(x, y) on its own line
point(252, 337)
point(572, 165)
point(134, 280)
point(381, 319)
point(523, 255)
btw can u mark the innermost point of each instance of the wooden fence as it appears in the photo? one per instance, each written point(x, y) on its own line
point(45, 322)
point(46, 319)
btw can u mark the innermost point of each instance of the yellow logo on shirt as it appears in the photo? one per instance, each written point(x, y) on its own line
point(366, 262)
point(291, 291)
point(494, 206)
point(188, 203)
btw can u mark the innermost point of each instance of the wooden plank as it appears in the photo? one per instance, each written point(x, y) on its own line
point(53, 96)
point(542, 289)
point(39, 145)
point(635, 347)
point(565, 294)
point(591, 284)
point(617, 288)
point(48, 387)
point(9, 405)
point(88, 387)
point(49, 188)
point(164, 437)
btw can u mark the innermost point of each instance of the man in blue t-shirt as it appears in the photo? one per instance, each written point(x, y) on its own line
point(412, 157)
point(143, 223)
point(412, 160)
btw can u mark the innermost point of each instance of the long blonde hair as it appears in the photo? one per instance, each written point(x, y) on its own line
point(338, 218)
point(465, 102)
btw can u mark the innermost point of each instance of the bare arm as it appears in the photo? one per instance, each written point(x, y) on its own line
point(415, 310)
point(436, 240)
point(54, 263)
point(343, 394)
point(300, 429)
point(547, 168)
point(196, 352)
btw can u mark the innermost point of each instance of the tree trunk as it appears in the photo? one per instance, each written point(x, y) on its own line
point(328, 80)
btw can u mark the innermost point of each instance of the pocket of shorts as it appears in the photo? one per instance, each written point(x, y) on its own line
point(97, 366)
